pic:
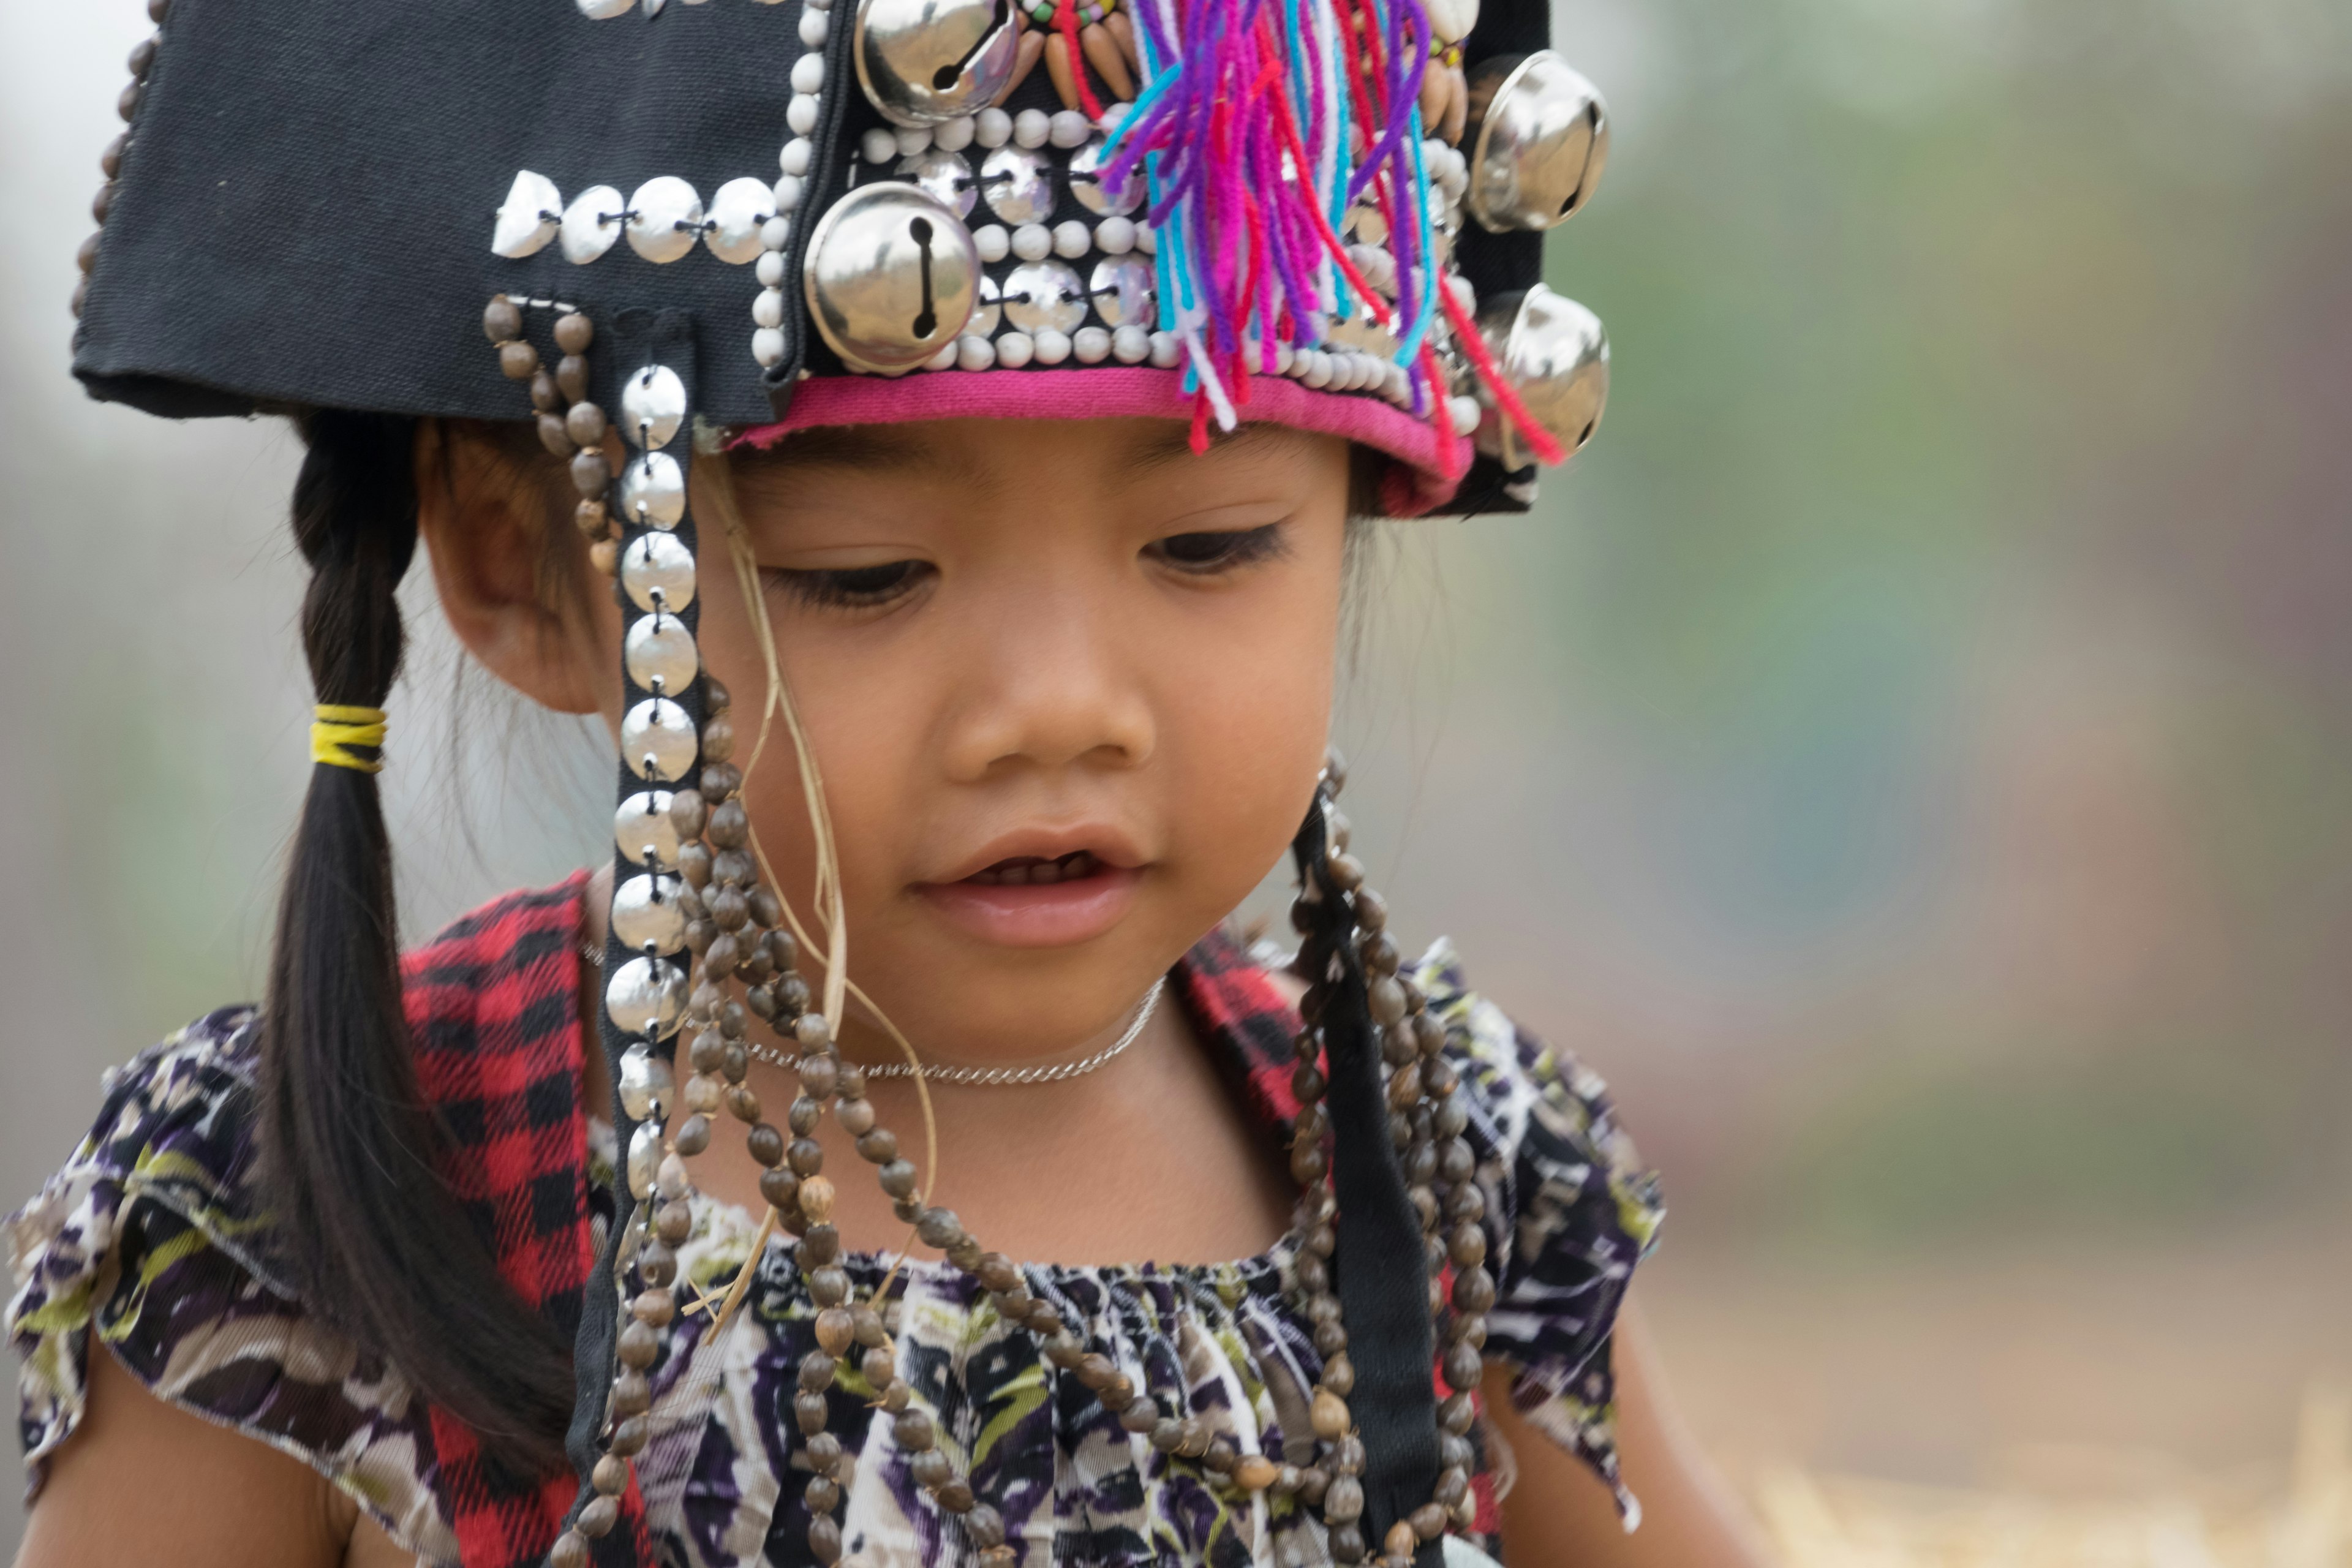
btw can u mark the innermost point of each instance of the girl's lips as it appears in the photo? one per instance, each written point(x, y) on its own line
point(1080, 904)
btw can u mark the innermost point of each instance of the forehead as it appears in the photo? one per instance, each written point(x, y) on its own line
point(983, 454)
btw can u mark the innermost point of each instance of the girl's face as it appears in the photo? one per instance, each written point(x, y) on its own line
point(1068, 686)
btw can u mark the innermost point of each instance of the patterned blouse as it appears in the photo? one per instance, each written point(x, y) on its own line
point(152, 1237)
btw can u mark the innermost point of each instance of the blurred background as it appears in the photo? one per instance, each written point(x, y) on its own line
point(1908, 754)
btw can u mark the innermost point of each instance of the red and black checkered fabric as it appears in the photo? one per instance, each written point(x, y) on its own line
point(493, 1010)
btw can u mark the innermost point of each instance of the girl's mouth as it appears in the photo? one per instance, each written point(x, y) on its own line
point(1028, 870)
point(1032, 901)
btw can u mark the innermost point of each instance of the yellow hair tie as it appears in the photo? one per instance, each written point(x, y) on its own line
point(336, 727)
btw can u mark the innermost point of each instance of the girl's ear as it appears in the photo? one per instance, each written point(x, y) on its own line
point(513, 575)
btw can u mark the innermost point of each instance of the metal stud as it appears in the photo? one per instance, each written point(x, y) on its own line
point(1556, 355)
point(658, 572)
point(1042, 296)
point(1086, 183)
point(531, 213)
point(657, 740)
point(1019, 185)
point(665, 218)
point(645, 996)
point(891, 277)
point(945, 174)
point(642, 829)
point(652, 406)
point(1538, 139)
point(592, 224)
point(925, 62)
point(644, 1159)
point(653, 490)
point(737, 212)
point(646, 1083)
point(660, 655)
point(646, 914)
point(1126, 292)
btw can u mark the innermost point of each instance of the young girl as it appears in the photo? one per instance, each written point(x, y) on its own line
point(782, 1191)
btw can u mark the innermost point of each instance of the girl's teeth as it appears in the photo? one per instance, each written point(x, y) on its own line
point(1038, 873)
point(1015, 876)
point(1046, 871)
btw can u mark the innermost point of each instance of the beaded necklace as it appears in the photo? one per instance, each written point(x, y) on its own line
point(735, 926)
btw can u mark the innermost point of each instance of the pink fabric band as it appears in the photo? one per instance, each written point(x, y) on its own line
point(1427, 470)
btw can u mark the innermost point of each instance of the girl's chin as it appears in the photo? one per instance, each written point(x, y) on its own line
point(1057, 914)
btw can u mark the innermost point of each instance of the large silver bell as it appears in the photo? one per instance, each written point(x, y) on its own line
point(926, 62)
point(1538, 138)
point(892, 277)
point(1556, 356)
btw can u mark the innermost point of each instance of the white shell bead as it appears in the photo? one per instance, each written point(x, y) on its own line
point(1053, 348)
point(768, 347)
point(1069, 129)
point(776, 232)
point(522, 229)
point(1145, 239)
point(666, 219)
point(1465, 414)
point(1014, 350)
point(878, 147)
point(794, 158)
point(787, 191)
point(603, 10)
point(1031, 128)
point(800, 114)
point(1166, 351)
point(990, 240)
point(768, 310)
point(770, 269)
point(992, 128)
point(1071, 238)
point(944, 360)
point(974, 352)
point(814, 25)
point(1033, 242)
point(1131, 344)
point(1091, 344)
point(1114, 236)
point(955, 136)
point(808, 73)
point(591, 224)
point(912, 138)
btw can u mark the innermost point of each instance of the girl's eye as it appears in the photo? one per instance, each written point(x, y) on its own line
point(1204, 553)
point(857, 587)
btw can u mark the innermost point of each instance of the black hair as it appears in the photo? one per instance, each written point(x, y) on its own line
point(380, 1245)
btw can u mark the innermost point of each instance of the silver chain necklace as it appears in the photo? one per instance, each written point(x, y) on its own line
point(1057, 1072)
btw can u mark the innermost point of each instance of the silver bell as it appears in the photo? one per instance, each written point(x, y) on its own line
point(892, 277)
point(1538, 138)
point(1556, 356)
point(926, 62)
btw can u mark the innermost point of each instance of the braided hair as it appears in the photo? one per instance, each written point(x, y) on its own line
point(379, 1244)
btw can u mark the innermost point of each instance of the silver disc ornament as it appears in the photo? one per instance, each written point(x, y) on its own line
point(891, 278)
point(660, 655)
point(647, 1083)
point(643, 832)
point(1094, 193)
point(658, 742)
point(1018, 184)
point(646, 916)
point(1126, 292)
point(658, 572)
point(1538, 139)
point(652, 406)
point(1556, 356)
point(653, 490)
point(646, 996)
point(944, 175)
point(926, 62)
point(1040, 296)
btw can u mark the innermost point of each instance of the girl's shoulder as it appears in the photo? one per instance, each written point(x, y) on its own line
point(153, 1242)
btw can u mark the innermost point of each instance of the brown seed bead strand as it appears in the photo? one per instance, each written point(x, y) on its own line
point(1440, 1168)
point(570, 427)
point(109, 162)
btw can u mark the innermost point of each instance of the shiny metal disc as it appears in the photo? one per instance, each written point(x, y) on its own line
point(988, 310)
point(644, 1159)
point(738, 211)
point(645, 912)
point(524, 224)
point(646, 1083)
point(645, 996)
point(653, 405)
point(891, 277)
point(1018, 184)
point(1111, 201)
point(653, 490)
point(660, 655)
point(592, 224)
point(657, 738)
point(945, 175)
point(1126, 292)
point(665, 218)
point(658, 572)
point(926, 62)
point(1044, 295)
point(642, 823)
point(1538, 139)
point(1557, 356)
